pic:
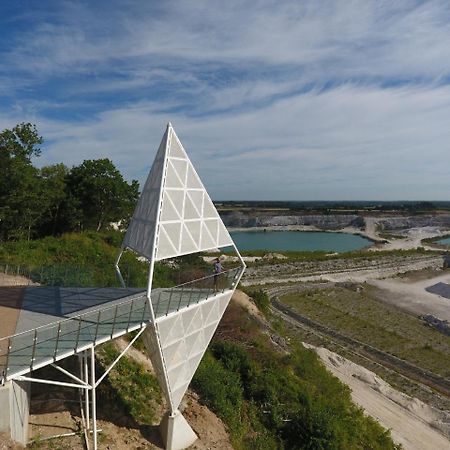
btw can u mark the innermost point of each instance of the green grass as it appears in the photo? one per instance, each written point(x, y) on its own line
point(88, 258)
point(271, 401)
point(134, 388)
point(326, 256)
point(360, 316)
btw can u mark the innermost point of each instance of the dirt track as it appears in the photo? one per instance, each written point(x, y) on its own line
point(338, 270)
point(413, 424)
point(385, 359)
point(411, 295)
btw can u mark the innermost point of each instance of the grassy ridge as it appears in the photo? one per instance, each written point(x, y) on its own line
point(271, 400)
point(268, 400)
point(358, 315)
point(81, 259)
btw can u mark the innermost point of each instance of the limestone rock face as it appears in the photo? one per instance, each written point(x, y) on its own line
point(239, 219)
point(397, 223)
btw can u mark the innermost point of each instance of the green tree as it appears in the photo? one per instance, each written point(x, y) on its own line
point(20, 185)
point(61, 210)
point(102, 193)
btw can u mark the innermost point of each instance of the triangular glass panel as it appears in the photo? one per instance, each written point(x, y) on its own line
point(166, 330)
point(212, 225)
point(209, 210)
point(199, 345)
point(178, 395)
point(207, 241)
point(175, 354)
point(177, 198)
point(187, 317)
point(206, 309)
point(195, 361)
point(197, 321)
point(209, 332)
point(191, 340)
point(223, 303)
point(194, 228)
point(213, 315)
point(224, 237)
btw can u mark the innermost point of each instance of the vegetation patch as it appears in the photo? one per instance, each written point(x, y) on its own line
point(133, 387)
point(271, 400)
point(355, 313)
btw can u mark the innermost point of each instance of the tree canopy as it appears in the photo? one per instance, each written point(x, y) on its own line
point(56, 199)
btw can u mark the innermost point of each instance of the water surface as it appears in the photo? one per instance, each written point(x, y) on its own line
point(445, 241)
point(298, 241)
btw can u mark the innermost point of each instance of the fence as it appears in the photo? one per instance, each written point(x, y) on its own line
point(32, 349)
point(23, 352)
point(169, 300)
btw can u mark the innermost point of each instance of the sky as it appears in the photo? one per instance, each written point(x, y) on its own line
point(272, 100)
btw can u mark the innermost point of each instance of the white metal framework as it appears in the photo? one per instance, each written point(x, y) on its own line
point(173, 217)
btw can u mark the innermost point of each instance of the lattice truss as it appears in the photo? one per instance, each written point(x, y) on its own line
point(175, 216)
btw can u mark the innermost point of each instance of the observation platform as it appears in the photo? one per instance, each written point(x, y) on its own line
point(40, 325)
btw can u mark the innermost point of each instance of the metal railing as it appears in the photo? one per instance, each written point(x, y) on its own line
point(29, 350)
point(64, 275)
point(168, 300)
point(23, 352)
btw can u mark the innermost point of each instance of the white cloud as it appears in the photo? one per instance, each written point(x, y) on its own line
point(298, 100)
point(350, 142)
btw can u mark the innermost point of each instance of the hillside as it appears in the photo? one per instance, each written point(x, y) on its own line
point(268, 392)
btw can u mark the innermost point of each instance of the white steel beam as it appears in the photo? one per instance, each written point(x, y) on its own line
point(111, 366)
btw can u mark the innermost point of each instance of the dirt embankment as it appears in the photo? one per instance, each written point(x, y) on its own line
point(338, 270)
point(413, 424)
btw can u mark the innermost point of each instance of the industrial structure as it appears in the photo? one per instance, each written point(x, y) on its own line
point(173, 217)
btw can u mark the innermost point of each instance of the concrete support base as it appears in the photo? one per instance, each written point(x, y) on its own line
point(15, 410)
point(176, 432)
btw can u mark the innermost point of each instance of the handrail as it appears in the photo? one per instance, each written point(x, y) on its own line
point(79, 316)
point(202, 278)
point(67, 319)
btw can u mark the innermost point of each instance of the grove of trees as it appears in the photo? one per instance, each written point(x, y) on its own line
point(37, 202)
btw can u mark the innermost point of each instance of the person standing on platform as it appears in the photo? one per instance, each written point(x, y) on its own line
point(218, 268)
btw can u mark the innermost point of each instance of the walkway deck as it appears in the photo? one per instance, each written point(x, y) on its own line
point(52, 323)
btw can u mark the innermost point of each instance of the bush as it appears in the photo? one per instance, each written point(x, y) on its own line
point(261, 300)
point(289, 402)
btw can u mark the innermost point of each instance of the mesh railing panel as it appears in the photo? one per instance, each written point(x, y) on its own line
point(24, 351)
point(169, 300)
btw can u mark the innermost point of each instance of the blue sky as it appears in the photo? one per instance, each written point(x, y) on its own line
point(298, 100)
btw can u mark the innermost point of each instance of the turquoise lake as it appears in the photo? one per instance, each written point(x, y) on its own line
point(445, 241)
point(298, 241)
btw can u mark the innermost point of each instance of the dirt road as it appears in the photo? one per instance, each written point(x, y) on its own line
point(411, 295)
point(413, 424)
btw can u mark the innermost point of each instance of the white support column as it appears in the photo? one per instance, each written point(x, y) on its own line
point(94, 404)
point(116, 266)
point(86, 392)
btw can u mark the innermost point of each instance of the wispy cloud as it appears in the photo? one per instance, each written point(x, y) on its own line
point(299, 100)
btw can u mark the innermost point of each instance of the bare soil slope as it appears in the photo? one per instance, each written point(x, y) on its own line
point(414, 424)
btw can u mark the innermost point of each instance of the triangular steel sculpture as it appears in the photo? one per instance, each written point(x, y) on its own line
point(175, 206)
point(175, 216)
